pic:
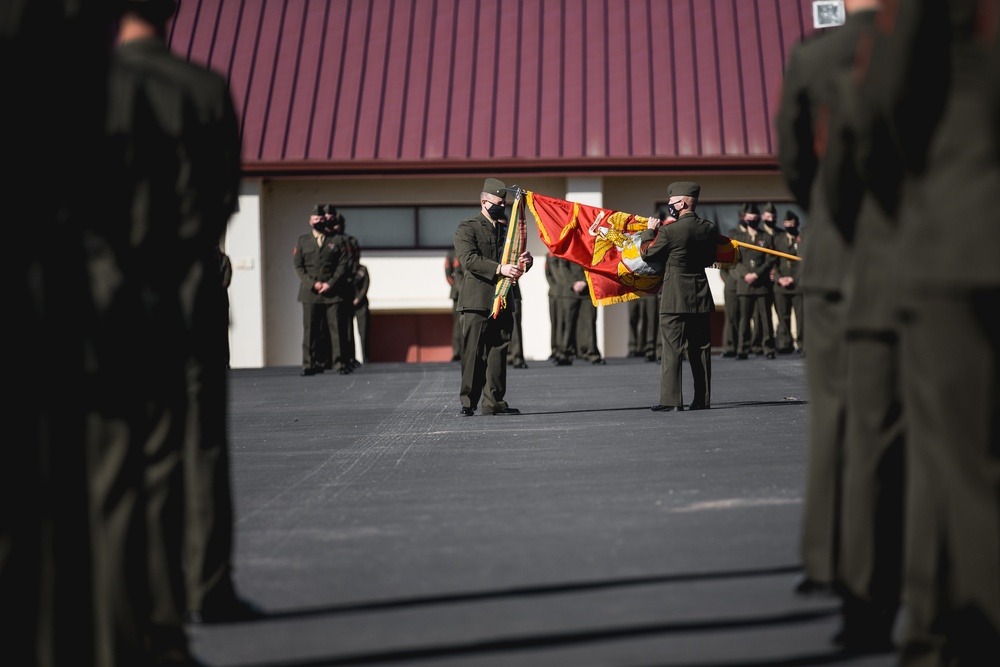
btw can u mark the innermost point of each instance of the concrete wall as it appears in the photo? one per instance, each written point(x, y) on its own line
point(266, 319)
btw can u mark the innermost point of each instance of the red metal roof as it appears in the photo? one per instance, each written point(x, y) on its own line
point(335, 86)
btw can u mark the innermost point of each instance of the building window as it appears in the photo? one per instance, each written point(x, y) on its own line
point(404, 227)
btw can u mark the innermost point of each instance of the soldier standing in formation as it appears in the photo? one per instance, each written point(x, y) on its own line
point(644, 321)
point(479, 244)
point(577, 315)
point(326, 289)
point(337, 225)
point(787, 292)
point(555, 326)
point(730, 286)
point(753, 288)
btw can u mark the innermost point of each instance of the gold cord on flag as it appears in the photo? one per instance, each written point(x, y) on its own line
point(512, 248)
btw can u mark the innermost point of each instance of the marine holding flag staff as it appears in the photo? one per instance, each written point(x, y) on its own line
point(687, 245)
point(479, 244)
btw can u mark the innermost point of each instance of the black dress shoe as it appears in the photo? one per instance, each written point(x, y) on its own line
point(728, 354)
point(236, 610)
point(742, 355)
point(466, 412)
point(599, 362)
point(455, 357)
point(504, 411)
point(346, 370)
point(521, 365)
point(769, 355)
point(306, 372)
point(667, 408)
point(563, 362)
point(652, 358)
point(697, 406)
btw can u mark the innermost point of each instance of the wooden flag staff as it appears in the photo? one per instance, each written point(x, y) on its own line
point(767, 250)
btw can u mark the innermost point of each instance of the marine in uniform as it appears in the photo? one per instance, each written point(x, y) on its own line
point(578, 315)
point(337, 225)
point(323, 266)
point(644, 321)
point(479, 245)
point(175, 143)
point(516, 335)
point(686, 245)
point(555, 327)
point(812, 64)
point(787, 291)
point(946, 203)
point(753, 289)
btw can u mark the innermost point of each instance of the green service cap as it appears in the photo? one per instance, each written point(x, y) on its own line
point(684, 189)
point(495, 187)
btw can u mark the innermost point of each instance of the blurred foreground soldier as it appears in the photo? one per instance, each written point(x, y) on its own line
point(949, 146)
point(453, 276)
point(871, 535)
point(323, 265)
point(479, 244)
point(812, 64)
point(686, 244)
point(175, 143)
point(45, 564)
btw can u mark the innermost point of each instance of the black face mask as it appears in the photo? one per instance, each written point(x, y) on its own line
point(496, 211)
point(792, 229)
point(672, 211)
point(752, 224)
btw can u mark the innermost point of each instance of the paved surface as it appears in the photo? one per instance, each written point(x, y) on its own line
point(375, 526)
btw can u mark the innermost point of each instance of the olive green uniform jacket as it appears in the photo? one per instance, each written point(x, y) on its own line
point(485, 340)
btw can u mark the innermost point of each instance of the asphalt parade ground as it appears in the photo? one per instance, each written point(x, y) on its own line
point(375, 526)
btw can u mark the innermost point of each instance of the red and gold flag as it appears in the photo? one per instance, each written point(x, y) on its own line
point(606, 244)
point(602, 241)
